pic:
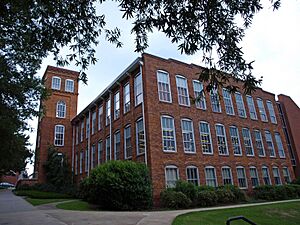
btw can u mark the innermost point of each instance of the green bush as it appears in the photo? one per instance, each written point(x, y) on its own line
point(189, 189)
point(239, 195)
point(224, 195)
point(206, 198)
point(118, 185)
point(40, 194)
point(172, 199)
point(281, 192)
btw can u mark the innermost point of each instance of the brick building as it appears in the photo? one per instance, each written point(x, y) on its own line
point(146, 115)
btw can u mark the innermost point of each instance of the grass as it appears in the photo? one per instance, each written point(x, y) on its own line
point(41, 194)
point(36, 201)
point(76, 205)
point(275, 214)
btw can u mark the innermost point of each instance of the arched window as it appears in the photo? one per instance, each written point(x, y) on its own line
point(61, 109)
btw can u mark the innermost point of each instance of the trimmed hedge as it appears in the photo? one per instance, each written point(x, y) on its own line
point(174, 199)
point(40, 194)
point(269, 192)
point(118, 185)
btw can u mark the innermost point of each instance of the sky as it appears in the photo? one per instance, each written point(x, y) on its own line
point(272, 41)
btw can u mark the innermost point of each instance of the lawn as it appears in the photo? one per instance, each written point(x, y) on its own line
point(76, 205)
point(35, 201)
point(275, 214)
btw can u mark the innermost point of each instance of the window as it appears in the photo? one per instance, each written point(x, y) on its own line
point(93, 122)
point(266, 175)
point(69, 86)
point(93, 160)
point(210, 176)
point(241, 175)
point(205, 138)
point(77, 134)
point(56, 83)
point(81, 131)
point(228, 102)
point(138, 89)
point(262, 111)
point(117, 105)
point(108, 113)
point(215, 101)
point(107, 144)
point(199, 95)
point(235, 140)
point(259, 143)
point(270, 145)
point(279, 145)
point(87, 134)
point(286, 175)
point(59, 135)
point(117, 142)
point(182, 90)
point(127, 142)
point(226, 175)
point(251, 107)
point(221, 139)
point(192, 175)
point(126, 98)
point(168, 134)
point(86, 160)
point(140, 136)
point(61, 109)
point(240, 105)
point(247, 142)
point(80, 162)
point(100, 152)
point(163, 83)
point(171, 176)
point(254, 176)
point(271, 112)
point(100, 117)
point(276, 176)
point(188, 136)
point(76, 163)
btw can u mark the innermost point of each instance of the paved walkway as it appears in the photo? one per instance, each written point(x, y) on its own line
point(16, 211)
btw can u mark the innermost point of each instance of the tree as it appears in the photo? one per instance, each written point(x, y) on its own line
point(30, 30)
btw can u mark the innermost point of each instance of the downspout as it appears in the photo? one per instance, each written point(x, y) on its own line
point(110, 126)
point(89, 143)
point(143, 110)
point(73, 149)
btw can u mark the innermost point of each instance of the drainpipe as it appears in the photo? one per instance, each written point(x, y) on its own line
point(89, 143)
point(73, 148)
point(110, 126)
point(143, 110)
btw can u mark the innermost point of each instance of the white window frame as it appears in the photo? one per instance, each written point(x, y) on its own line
point(81, 131)
point(234, 138)
point(80, 161)
point(107, 112)
point(53, 85)
point(161, 92)
point(271, 110)
point(86, 163)
point(137, 137)
point(219, 144)
point(117, 110)
point(77, 134)
point(199, 95)
point(209, 137)
point(215, 101)
point(192, 180)
point(56, 132)
point(238, 178)
point(279, 178)
point(100, 117)
point(189, 133)
point(183, 98)
point(254, 177)
point(94, 122)
point(248, 141)
point(100, 151)
point(168, 181)
point(115, 145)
point(251, 107)
point(93, 156)
point(230, 173)
point(76, 163)
point(107, 149)
point(126, 98)
point(262, 110)
point(138, 89)
point(241, 111)
point(279, 144)
point(213, 179)
point(269, 140)
point(169, 130)
point(127, 147)
point(228, 102)
point(268, 175)
point(286, 174)
point(67, 87)
point(87, 124)
point(261, 143)
point(61, 109)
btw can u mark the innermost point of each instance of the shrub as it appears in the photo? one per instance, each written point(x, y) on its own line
point(269, 192)
point(224, 195)
point(206, 198)
point(172, 199)
point(239, 195)
point(40, 194)
point(119, 185)
point(296, 181)
point(189, 189)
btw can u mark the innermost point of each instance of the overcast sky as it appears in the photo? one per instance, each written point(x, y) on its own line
point(273, 41)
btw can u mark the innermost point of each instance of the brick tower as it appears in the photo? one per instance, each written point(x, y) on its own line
point(54, 126)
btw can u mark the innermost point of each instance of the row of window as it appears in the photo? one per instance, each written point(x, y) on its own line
point(103, 157)
point(164, 93)
point(56, 83)
point(192, 176)
point(169, 139)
